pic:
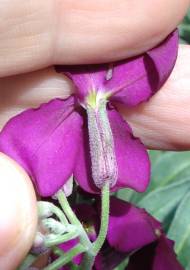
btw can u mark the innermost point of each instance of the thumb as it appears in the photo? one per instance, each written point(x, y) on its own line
point(18, 213)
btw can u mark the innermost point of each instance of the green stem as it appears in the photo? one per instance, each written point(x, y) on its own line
point(58, 239)
point(59, 214)
point(91, 249)
point(88, 259)
point(105, 207)
point(87, 262)
point(28, 261)
point(66, 258)
point(57, 251)
point(74, 220)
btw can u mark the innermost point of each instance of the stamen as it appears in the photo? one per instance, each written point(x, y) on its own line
point(109, 73)
point(102, 151)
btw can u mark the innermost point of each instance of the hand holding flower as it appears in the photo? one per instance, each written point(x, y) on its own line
point(34, 64)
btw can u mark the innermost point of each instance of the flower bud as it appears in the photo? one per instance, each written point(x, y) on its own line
point(44, 209)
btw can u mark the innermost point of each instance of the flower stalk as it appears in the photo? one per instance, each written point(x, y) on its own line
point(53, 240)
point(47, 209)
point(90, 249)
point(88, 259)
point(104, 219)
point(66, 258)
point(73, 219)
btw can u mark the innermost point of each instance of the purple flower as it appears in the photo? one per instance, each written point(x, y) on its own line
point(131, 231)
point(51, 142)
point(156, 256)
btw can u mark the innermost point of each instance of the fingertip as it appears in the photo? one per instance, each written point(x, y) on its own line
point(18, 213)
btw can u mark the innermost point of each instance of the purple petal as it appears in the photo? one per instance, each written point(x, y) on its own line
point(132, 158)
point(130, 228)
point(86, 77)
point(131, 81)
point(45, 141)
point(157, 256)
point(89, 218)
point(82, 171)
point(138, 79)
point(108, 258)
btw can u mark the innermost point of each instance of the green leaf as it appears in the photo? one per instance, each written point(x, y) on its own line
point(125, 194)
point(155, 155)
point(162, 201)
point(184, 29)
point(180, 231)
point(167, 167)
point(170, 167)
point(188, 267)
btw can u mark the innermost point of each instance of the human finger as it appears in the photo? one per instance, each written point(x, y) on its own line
point(18, 213)
point(20, 92)
point(36, 34)
point(163, 121)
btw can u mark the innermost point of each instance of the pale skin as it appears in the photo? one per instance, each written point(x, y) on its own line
point(35, 35)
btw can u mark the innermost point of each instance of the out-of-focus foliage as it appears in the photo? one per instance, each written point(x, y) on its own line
point(180, 230)
point(168, 196)
point(184, 30)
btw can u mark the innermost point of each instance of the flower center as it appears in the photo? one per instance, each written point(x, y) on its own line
point(102, 150)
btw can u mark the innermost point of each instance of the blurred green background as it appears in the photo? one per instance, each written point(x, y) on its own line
point(168, 196)
point(184, 30)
